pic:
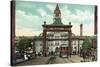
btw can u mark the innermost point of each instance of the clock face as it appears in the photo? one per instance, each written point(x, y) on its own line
point(57, 11)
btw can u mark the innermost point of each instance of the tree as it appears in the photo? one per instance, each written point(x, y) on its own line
point(23, 44)
point(86, 44)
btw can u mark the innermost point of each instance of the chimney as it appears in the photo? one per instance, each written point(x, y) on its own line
point(95, 20)
point(81, 29)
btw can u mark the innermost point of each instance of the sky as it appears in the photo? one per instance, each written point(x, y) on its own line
point(31, 15)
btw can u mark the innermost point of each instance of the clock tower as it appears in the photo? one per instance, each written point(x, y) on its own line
point(57, 16)
point(57, 11)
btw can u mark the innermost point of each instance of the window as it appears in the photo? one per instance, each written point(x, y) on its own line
point(56, 44)
point(56, 37)
point(51, 44)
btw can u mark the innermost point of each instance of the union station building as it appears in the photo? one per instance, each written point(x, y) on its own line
point(58, 38)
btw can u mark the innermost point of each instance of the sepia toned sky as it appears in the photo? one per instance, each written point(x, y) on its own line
point(31, 15)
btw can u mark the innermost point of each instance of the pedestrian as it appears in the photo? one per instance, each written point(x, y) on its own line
point(84, 55)
point(25, 57)
point(81, 52)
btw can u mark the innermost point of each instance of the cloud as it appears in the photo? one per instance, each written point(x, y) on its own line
point(79, 16)
point(41, 12)
point(76, 29)
point(51, 7)
point(30, 25)
point(49, 19)
point(33, 23)
point(82, 17)
point(88, 29)
point(65, 14)
point(85, 17)
point(26, 32)
point(28, 21)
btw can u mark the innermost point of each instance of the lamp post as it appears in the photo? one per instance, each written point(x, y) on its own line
point(33, 49)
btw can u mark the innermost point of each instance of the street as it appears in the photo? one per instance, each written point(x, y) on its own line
point(51, 60)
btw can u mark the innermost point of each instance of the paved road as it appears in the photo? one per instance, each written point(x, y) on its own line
point(52, 60)
point(73, 59)
point(35, 61)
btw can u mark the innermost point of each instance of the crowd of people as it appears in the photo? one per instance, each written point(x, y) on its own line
point(88, 54)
